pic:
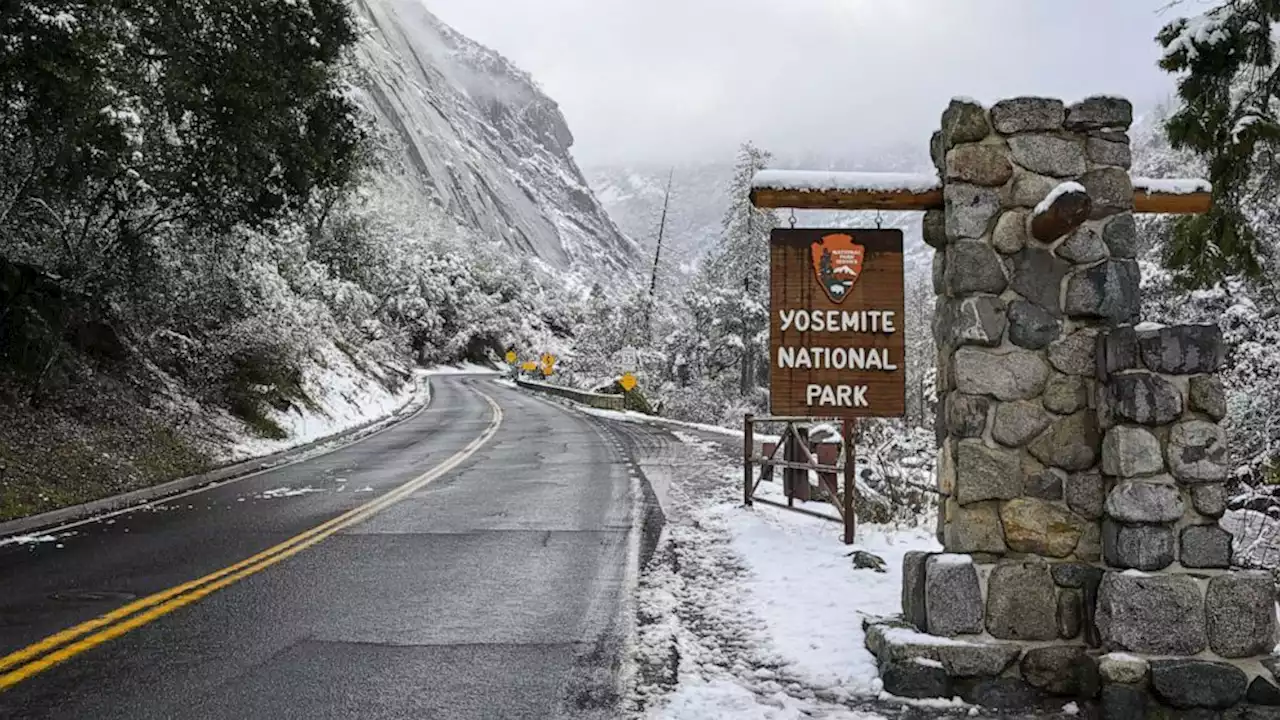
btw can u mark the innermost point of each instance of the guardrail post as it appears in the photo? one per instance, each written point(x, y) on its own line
point(748, 449)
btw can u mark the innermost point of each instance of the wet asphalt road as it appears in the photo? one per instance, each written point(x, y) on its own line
point(498, 590)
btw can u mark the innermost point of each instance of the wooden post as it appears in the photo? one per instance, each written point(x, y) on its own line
point(850, 482)
point(748, 449)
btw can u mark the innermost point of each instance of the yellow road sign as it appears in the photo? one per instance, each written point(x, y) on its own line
point(548, 359)
point(529, 366)
point(511, 357)
point(628, 382)
point(547, 370)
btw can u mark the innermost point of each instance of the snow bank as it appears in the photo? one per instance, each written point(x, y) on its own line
point(1171, 186)
point(632, 416)
point(37, 539)
point(810, 597)
point(344, 397)
point(463, 369)
point(819, 180)
point(718, 699)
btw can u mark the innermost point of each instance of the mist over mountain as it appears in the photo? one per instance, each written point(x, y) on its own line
point(633, 195)
point(479, 140)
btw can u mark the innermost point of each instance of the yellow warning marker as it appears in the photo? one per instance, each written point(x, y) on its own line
point(547, 370)
point(511, 357)
point(628, 382)
point(548, 359)
point(529, 366)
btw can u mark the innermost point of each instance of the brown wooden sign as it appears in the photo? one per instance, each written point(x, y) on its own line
point(837, 343)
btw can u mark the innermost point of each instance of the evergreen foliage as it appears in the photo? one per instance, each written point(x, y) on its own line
point(1229, 84)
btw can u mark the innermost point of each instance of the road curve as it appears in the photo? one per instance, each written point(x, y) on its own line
point(492, 581)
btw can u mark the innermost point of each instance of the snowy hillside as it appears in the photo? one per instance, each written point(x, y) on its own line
point(479, 139)
point(633, 196)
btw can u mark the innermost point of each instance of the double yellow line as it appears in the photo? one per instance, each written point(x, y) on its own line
point(62, 646)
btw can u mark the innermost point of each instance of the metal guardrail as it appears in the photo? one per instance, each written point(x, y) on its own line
point(590, 399)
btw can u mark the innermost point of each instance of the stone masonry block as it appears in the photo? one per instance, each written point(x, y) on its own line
point(971, 211)
point(1205, 546)
point(953, 598)
point(1008, 375)
point(1021, 602)
point(966, 415)
point(1131, 451)
point(1143, 398)
point(1035, 274)
point(1040, 527)
point(973, 529)
point(1027, 114)
point(974, 320)
point(1018, 421)
point(1141, 547)
point(1099, 112)
point(1197, 452)
point(913, 577)
point(986, 473)
point(1109, 291)
point(1052, 155)
point(1145, 501)
point(1182, 349)
point(963, 121)
point(1155, 614)
point(1206, 395)
point(1070, 443)
point(979, 164)
point(1241, 612)
point(1198, 683)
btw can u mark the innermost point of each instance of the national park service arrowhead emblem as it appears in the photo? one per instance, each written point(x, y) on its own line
point(837, 260)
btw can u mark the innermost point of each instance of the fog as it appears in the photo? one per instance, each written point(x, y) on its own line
point(670, 80)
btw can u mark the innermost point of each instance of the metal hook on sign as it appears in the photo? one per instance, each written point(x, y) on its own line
point(792, 219)
point(879, 219)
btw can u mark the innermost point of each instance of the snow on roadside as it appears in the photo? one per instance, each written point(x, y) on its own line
point(632, 416)
point(465, 368)
point(811, 599)
point(283, 492)
point(346, 397)
point(757, 613)
point(39, 539)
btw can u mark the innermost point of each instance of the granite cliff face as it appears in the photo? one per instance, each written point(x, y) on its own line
point(477, 138)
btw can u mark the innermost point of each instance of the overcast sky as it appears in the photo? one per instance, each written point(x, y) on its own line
point(665, 80)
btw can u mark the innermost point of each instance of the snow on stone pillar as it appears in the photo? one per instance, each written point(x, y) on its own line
point(1024, 287)
point(1034, 257)
point(1080, 453)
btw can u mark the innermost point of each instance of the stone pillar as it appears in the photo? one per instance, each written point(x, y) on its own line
point(1062, 433)
point(1018, 318)
point(1168, 590)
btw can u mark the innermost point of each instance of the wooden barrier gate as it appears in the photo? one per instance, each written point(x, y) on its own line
point(799, 460)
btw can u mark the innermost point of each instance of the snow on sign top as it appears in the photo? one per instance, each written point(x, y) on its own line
point(818, 181)
point(1172, 186)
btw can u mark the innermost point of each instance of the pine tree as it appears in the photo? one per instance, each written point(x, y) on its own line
point(739, 266)
point(1230, 88)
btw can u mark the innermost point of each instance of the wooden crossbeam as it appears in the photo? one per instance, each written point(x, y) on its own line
point(808, 190)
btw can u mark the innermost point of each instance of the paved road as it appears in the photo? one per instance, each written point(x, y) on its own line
point(497, 588)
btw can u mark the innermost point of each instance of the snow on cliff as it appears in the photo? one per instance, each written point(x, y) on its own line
point(479, 139)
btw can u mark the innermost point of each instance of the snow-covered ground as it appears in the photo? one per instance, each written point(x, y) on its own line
point(757, 613)
point(345, 397)
point(462, 369)
point(632, 416)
